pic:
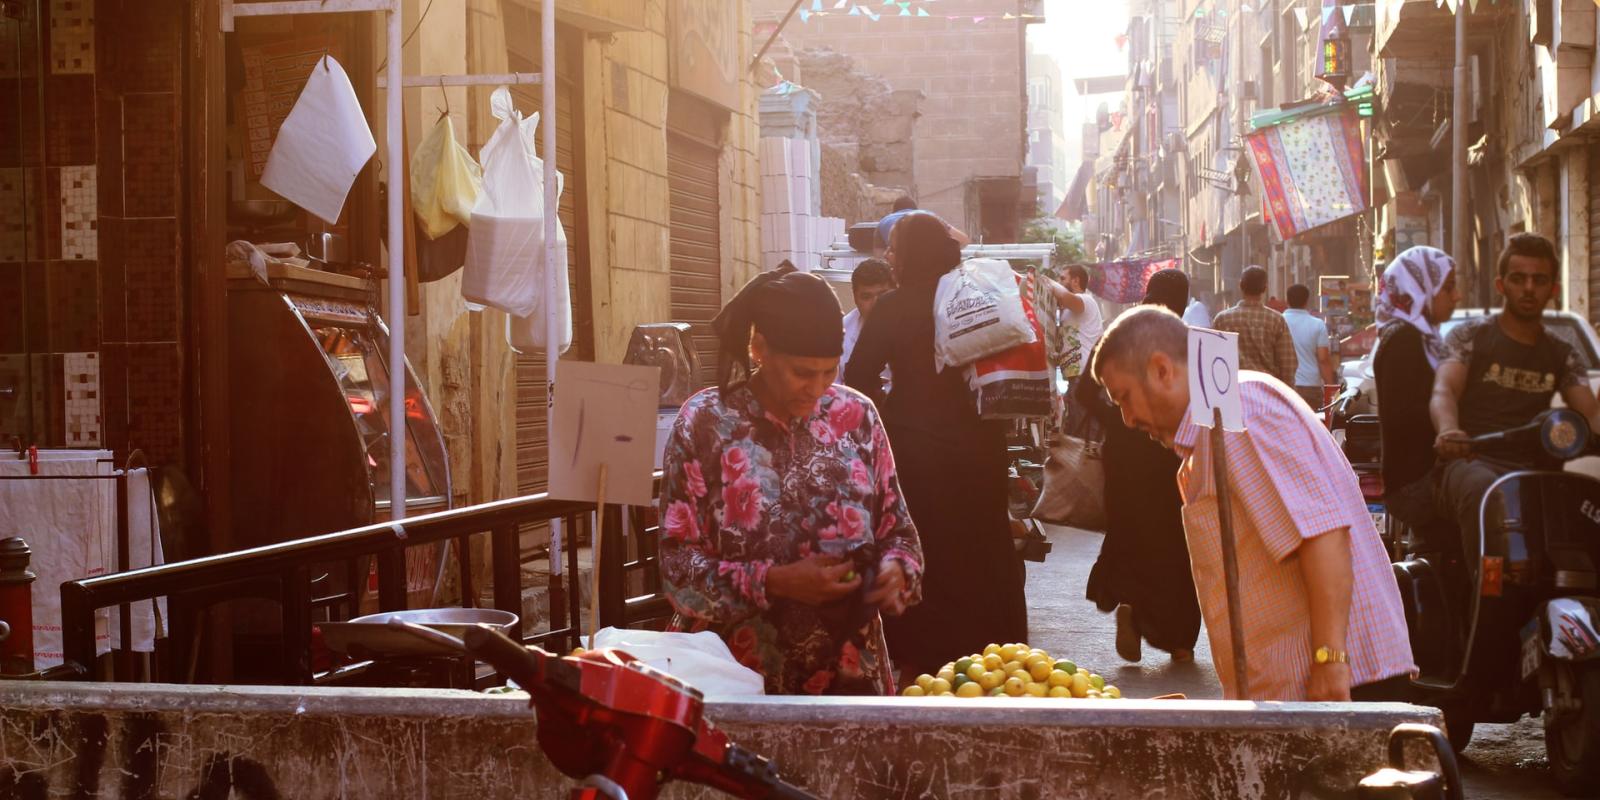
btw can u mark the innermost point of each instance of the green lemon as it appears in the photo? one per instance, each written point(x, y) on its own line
point(1066, 666)
point(963, 665)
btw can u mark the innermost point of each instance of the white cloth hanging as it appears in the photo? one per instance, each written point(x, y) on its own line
point(322, 145)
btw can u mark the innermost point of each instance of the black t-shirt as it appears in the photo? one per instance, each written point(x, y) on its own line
point(1508, 382)
point(1404, 381)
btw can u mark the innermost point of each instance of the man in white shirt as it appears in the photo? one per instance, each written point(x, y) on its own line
point(1311, 347)
point(872, 279)
point(1197, 315)
point(1080, 322)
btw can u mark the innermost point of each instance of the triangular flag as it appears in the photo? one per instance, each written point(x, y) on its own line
point(855, 11)
point(816, 5)
point(841, 4)
point(870, 15)
point(805, 15)
point(905, 9)
point(1300, 17)
point(1327, 11)
point(1350, 12)
point(923, 12)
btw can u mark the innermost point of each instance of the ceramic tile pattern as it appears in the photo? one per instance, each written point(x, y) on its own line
point(13, 217)
point(72, 37)
point(69, 109)
point(11, 299)
point(150, 275)
point(81, 379)
point(150, 155)
point(74, 297)
point(79, 221)
point(155, 401)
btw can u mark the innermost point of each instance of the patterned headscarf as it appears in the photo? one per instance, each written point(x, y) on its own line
point(1409, 286)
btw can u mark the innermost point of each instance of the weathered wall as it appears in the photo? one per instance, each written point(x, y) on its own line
point(168, 742)
point(972, 121)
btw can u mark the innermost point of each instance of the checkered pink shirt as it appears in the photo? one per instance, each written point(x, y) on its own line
point(1288, 482)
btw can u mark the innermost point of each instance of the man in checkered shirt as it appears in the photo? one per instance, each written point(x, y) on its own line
point(1265, 343)
point(1321, 613)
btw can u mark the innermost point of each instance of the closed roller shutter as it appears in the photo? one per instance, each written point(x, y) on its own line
point(695, 244)
point(1594, 236)
point(533, 468)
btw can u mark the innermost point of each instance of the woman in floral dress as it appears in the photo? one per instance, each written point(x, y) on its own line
point(773, 480)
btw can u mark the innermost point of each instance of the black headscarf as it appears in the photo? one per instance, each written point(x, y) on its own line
point(796, 312)
point(1170, 288)
point(924, 249)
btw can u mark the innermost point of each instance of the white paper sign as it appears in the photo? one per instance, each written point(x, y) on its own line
point(1214, 378)
point(604, 414)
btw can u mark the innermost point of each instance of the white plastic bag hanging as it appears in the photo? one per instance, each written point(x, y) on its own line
point(505, 247)
point(977, 312)
point(323, 144)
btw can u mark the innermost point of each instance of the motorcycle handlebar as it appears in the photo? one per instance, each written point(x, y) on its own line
point(497, 650)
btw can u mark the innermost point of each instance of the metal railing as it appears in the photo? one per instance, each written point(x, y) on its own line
point(284, 572)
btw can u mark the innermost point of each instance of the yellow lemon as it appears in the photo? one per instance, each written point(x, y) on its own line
point(1036, 689)
point(1096, 681)
point(993, 661)
point(1113, 692)
point(1057, 679)
point(939, 686)
point(991, 680)
point(1021, 675)
point(1083, 672)
point(1080, 686)
point(992, 650)
point(1094, 695)
point(969, 689)
point(945, 694)
point(1060, 691)
point(1015, 687)
point(948, 674)
point(1011, 666)
point(923, 680)
point(976, 671)
point(1040, 670)
point(913, 691)
point(1009, 652)
point(998, 691)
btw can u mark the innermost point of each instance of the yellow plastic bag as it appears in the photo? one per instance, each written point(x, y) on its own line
point(445, 181)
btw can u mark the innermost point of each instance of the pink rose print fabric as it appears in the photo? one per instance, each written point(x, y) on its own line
point(743, 492)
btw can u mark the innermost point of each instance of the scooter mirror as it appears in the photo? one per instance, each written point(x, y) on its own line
point(1564, 433)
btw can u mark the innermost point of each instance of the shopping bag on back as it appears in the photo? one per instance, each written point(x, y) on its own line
point(505, 246)
point(1015, 383)
point(977, 312)
point(1074, 489)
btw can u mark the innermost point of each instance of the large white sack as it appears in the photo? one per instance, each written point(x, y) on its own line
point(505, 245)
point(977, 312)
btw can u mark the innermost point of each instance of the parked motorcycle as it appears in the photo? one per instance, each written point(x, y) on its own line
point(1510, 630)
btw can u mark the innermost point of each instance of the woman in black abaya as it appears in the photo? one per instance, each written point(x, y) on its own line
point(952, 465)
point(1143, 569)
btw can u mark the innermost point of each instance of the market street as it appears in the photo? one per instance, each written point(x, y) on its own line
point(1504, 762)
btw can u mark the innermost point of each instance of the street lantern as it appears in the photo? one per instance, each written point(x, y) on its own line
point(1333, 53)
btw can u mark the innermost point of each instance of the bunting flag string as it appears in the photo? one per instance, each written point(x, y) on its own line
point(897, 8)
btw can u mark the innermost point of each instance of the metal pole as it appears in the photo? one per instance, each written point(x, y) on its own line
point(1230, 559)
point(552, 348)
point(1459, 238)
point(394, 158)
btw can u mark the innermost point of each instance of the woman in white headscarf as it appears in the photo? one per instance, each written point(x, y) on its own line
point(1418, 292)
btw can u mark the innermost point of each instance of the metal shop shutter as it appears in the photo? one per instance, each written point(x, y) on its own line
point(696, 254)
point(1594, 236)
point(532, 429)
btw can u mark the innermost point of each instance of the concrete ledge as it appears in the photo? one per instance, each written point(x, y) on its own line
point(126, 741)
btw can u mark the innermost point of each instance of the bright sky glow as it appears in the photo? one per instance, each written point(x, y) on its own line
point(1082, 35)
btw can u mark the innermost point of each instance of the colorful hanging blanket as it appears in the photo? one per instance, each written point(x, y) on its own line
point(1312, 170)
point(1124, 281)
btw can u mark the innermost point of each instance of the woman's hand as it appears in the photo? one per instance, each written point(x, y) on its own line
point(815, 580)
point(888, 592)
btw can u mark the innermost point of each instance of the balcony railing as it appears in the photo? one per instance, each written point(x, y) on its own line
point(284, 573)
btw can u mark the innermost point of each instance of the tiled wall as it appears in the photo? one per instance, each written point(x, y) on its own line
point(92, 287)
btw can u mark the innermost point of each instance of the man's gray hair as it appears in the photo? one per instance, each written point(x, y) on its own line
point(1137, 334)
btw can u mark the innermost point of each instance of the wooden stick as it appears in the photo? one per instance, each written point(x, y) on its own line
point(1230, 559)
point(597, 537)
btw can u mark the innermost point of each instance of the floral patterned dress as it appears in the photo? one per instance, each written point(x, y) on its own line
point(744, 492)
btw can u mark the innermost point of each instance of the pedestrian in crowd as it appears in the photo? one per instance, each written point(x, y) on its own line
point(1321, 617)
point(1143, 569)
point(904, 205)
point(1265, 344)
point(1498, 372)
point(1312, 347)
point(1198, 314)
point(871, 280)
point(952, 465)
point(1080, 322)
point(770, 480)
point(1418, 291)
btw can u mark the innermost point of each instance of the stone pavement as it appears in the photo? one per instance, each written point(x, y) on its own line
point(1503, 762)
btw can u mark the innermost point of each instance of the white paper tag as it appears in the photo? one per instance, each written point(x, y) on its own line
point(1214, 378)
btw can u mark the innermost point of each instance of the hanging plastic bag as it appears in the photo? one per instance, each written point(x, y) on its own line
point(977, 312)
point(527, 334)
point(505, 244)
point(445, 181)
point(701, 660)
point(322, 145)
point(1015, 383)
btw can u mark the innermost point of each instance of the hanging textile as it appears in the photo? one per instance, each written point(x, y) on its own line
point(1312, 170)
point(1124, 281)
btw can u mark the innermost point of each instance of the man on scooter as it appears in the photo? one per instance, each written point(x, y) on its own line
point(1499, 372)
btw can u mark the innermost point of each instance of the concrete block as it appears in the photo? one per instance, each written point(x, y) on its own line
point(116, 741)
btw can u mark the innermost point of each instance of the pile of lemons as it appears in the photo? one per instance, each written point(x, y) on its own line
point(1012, 670)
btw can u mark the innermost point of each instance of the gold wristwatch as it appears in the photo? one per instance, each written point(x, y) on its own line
point(1328, 655)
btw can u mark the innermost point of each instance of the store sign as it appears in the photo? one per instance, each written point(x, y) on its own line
point(704, 51)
